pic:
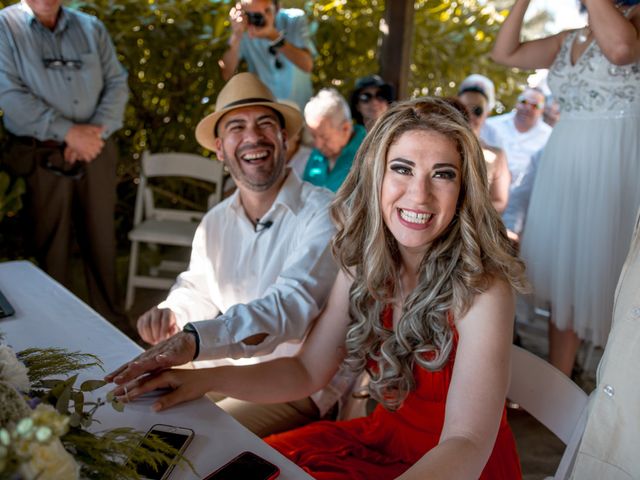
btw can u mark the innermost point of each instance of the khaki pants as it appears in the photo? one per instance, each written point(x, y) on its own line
point(267, 419)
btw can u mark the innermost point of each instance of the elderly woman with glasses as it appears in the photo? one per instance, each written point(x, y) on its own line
point(477, 94)
point(370, 99)
point(586, 193)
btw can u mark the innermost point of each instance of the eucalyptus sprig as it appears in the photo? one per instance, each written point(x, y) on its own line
point(117, 453)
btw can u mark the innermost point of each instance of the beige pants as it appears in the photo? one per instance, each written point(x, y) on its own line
point(267, 419)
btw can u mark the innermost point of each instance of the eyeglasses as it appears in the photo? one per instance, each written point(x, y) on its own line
point(536, 105)
point(61, 63)
point(273, 51)
point(477, 111)
point(366, 97)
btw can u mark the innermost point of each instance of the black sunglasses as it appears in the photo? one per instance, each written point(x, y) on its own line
point(61, 63)
point(478, 110)
point(366, 97)
point(273, 51)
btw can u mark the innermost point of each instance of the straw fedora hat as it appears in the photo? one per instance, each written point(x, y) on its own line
point(244, 90)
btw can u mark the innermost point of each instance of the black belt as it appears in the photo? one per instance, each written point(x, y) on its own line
point(34, 142)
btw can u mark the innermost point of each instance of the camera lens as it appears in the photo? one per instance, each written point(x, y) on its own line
point(256, 19)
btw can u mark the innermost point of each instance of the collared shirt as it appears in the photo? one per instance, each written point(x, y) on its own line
point(287, 82)
point(317, 169)
point(45, 102)
point(520, 148)
point(610, 446)
point(274, 280)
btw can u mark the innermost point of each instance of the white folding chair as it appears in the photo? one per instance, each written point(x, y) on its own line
point(167, 226)
point(551, 398)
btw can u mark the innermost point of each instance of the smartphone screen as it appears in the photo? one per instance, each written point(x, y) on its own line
point(246, 466)
point(177, 437)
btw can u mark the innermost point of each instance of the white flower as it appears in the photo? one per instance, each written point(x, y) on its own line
point(12, 371)
point(49, 462)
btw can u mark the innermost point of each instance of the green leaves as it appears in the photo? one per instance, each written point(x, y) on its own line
point(10, 195)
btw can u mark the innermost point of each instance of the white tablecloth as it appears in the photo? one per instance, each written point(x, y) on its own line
point(48, 315)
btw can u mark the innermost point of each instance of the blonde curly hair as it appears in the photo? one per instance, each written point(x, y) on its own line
point(460, 264)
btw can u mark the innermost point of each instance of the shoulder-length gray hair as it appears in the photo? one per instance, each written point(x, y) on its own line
point(473, 250)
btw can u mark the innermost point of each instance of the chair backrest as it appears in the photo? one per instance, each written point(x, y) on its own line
point(176, 165)
point(546, 393)
point(552, 399)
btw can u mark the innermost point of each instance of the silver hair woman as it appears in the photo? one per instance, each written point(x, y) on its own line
point(458, 265)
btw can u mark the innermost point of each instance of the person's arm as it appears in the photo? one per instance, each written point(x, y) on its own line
point(509, 50)
point(280, 380)
point(501, 181)
point(298, 47)
point(300, 57)
point(34, 116)
point(616, 35)
point(189, 299)
point(285, 311)
point(231, 57)
point(109, 112)
point(477, 392)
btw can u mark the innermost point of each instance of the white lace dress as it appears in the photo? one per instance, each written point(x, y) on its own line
point(587, 191)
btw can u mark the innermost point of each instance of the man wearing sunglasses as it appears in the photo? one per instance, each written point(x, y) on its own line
point(63, 93)
point(276, 44)
point(521, 134)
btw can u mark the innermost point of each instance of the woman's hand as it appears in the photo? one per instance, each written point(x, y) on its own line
point(185, 385)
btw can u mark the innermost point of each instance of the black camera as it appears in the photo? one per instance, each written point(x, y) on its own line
point(256, 19)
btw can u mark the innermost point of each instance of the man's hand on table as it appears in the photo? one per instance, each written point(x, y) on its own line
point(157, 324)
point(177, 350)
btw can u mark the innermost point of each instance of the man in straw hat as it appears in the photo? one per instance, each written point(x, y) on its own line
point(261, 266)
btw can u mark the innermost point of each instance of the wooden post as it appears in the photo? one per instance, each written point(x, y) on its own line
point(395, 56)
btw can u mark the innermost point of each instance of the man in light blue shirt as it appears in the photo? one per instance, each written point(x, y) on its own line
point(63, 93)
point(276, 46)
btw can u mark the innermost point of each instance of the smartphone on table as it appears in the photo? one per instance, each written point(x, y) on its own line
point(246, 466)
point(178, 437)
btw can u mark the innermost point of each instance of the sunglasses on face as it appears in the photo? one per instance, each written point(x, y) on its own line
point(366, 97)
point(477, 111)
point(536, 105)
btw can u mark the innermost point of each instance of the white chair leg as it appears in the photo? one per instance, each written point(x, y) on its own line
point(133, 268)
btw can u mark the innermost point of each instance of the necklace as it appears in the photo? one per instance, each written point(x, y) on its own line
point(583, 34)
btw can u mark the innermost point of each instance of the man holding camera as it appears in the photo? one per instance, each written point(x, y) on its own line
point(276, 45)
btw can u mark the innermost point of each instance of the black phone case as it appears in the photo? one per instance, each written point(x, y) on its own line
point(6, 310)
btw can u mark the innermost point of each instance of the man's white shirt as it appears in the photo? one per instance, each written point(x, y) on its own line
point(273, 279)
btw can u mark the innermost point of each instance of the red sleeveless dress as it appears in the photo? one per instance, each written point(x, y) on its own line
point(385, 444)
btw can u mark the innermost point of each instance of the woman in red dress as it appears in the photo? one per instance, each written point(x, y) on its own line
point(425, 301)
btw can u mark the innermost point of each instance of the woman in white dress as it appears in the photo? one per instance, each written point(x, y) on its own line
point(587, 189)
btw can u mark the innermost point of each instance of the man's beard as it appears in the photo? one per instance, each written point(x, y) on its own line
point(265, 182)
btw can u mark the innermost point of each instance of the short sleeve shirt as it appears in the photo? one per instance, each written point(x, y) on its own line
point(285, 80)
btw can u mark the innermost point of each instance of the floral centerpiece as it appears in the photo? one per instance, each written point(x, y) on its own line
point(43, 422)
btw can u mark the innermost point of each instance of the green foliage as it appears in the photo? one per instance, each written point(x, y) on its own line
point(10, 195)
point(46, 362)
point(452, 39)
point(63, 412)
